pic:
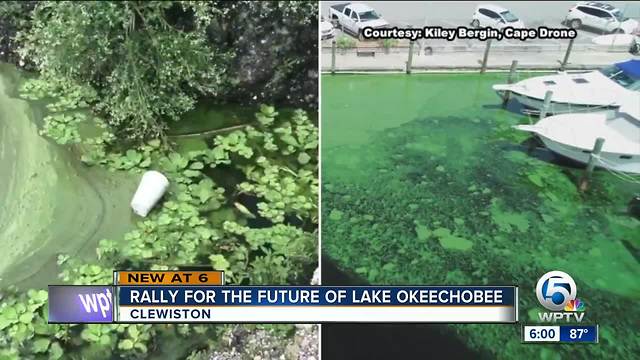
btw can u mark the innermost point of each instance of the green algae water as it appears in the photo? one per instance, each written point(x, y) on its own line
point(51, 203)
point(426, 182)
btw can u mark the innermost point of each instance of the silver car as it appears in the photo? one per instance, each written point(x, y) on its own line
point(600, 16)
point(489, 15)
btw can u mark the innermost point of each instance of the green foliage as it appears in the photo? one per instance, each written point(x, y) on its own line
point(148, 62)
point(185, 228)
point(277, 329)
point(389, 43)
point(68, 95)
point(267, 115)
point(15, 17)
point(77, 272)
point(345, 42)
point(24, 327)
point(275, 46)
point(298, 136)
point(285, 191)
point(282, 254)
point(289, 185)
point(63, 128)
point(62, 125)
point(123, 71)
point(145, 68)
point(175, 235)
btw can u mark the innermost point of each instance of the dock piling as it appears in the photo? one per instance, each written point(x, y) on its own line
point(512, 73)
point(485, 57)
point(565, 61)
point(333, 57)
point(586, 177)
point(410, 60)
point(546, 105)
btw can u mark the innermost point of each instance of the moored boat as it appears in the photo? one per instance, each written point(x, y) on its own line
point(603, 89)
point(574, 135)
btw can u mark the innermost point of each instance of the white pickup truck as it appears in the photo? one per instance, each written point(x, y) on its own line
point(353, 17)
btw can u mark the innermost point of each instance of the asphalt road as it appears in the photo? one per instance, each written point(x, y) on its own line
point(459, 13)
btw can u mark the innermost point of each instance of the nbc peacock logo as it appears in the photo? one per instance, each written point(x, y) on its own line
point(556, 291)
point(574, 305)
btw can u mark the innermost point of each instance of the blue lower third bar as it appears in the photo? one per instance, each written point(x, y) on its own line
point(579, 333)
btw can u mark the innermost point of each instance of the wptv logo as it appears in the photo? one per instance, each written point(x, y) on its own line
point(556, 291)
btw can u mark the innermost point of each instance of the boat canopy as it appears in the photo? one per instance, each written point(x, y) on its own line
point(630, 68)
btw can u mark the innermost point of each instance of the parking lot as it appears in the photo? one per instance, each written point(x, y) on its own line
point(453, 14)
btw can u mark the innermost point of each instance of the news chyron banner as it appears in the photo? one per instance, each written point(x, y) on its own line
point(201, 297)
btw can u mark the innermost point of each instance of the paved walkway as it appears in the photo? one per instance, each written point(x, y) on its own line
point(448, 59)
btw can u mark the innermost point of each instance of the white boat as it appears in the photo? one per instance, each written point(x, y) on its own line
point(595, 90)
point(621, 42)
point(574, 136)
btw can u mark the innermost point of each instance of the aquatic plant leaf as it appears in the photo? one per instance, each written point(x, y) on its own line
point(304, 158)
point(178, 161)
point(41, 345)
point(219, 262)
point(5, 322)
point(125, 344)
point(133, 332)
point(145, 163)
point(204, 190)
point(198, 165)
point(26, 318)
point(191, 173)
point(55, 351)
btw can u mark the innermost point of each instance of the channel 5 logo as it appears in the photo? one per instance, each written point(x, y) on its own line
point(556, 291)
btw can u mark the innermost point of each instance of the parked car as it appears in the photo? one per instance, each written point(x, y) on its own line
point(326, 29)
point(495, 16)
point(600, 16)
point(353, 17)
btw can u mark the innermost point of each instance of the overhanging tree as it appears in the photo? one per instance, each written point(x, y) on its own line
point(147, 61)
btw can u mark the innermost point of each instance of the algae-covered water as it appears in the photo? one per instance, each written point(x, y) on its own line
point(50, 203)
point(425, 182)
